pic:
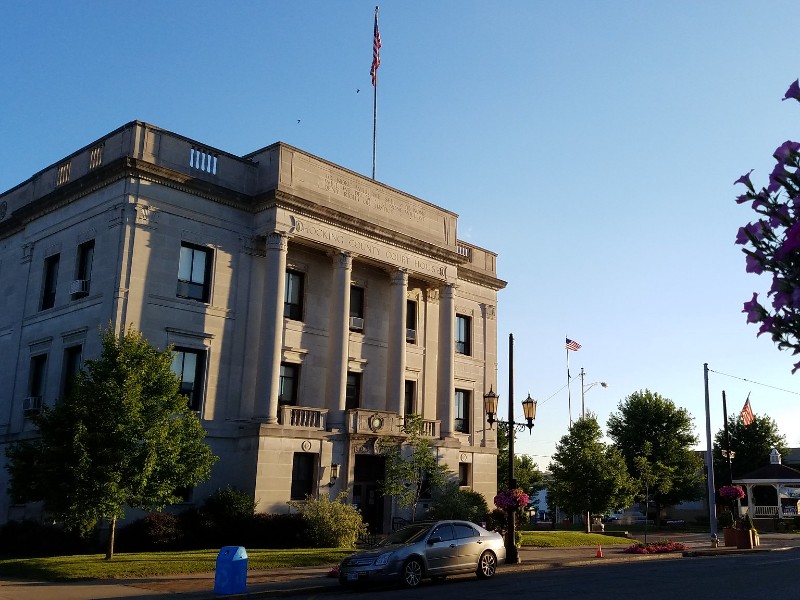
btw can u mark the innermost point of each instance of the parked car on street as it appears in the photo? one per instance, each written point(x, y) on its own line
point(431, 549)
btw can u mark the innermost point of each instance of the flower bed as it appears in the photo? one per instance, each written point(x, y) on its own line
point(656, 547)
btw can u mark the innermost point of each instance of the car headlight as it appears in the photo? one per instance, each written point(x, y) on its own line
point(383, 559)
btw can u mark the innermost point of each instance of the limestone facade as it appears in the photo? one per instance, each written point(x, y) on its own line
point(309, 308)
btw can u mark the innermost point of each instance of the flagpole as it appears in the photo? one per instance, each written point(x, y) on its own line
point(376, 61)
point(712, 508)
point(569, 392)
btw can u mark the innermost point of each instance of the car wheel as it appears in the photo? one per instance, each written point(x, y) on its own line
point(487, 565)
point(412, 573)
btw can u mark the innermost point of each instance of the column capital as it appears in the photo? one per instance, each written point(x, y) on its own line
point(277, 240)
point(399, 277)
point(342, 259)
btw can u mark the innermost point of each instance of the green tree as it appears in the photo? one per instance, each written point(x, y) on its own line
point(123, 436)
point(411, 465)
point(751, 445)
point(650, 426)
point(586, 474)
point(451, 502)
point(526, 471)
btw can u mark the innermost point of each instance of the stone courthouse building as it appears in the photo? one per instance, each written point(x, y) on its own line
point(309, 308)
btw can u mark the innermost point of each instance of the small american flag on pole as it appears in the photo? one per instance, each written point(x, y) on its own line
point(747, 413)
point(376, 52)
point(572, 345)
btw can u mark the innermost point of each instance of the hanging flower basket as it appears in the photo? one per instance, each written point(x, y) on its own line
point(511, 499)
point(731, 492)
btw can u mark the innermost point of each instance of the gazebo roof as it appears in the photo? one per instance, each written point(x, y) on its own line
point(772, 473)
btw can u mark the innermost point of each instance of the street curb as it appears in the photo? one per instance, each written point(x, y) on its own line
point(718, 552)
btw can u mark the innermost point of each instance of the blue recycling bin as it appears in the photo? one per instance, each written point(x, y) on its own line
point(230, 576)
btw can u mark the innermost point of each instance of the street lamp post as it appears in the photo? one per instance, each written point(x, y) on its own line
point(586, 388)
point(529, 410)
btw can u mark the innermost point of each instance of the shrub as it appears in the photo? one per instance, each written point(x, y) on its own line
point(331, 523)
point(656, 547)
point(276, 531)
point(156, 531)
point(450, 502)
point(229, 505)
point(725, 519)
point(27, 538)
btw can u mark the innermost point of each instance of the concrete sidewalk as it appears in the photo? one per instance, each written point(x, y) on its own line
point(309, 580)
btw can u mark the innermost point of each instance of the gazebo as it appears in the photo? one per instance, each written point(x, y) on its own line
point(786, 483)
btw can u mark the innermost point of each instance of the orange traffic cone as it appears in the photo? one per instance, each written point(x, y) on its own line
point(599, 552)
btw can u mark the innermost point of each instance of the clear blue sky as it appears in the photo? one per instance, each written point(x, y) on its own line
point(592, 145)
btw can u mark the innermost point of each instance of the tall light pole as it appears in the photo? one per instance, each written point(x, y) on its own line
point(529, 410)
point(586, 388)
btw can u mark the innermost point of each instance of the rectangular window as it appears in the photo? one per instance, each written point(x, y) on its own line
point(302, 475)
point(356, 308)
point(463, 474)
point(70, 368)
point(287, 386)
point(409, 394)
point(37, 375)
point(353, 392)
point(462, 411)
point(463, 335)
point(411, 321)
point(293, 296)
point(83, 270)
point(50, 281)
point(189, 365)
point(194, 273)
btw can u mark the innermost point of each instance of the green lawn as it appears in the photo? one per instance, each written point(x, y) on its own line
point(563, 539)
point(148, 564)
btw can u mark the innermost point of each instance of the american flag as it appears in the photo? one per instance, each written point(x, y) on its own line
point(376, 52)
point(747, 413)
point(572, 345)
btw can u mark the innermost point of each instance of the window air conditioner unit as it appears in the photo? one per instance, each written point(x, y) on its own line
point(79, 286)
point(32, 405)
point(357, 323)
point(411, 335)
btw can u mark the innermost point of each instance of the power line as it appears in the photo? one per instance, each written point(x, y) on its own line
point(755, 382)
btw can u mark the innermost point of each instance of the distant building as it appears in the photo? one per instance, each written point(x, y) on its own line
point(310, 309)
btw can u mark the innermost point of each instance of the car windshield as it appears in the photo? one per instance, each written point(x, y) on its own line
point(405, 535)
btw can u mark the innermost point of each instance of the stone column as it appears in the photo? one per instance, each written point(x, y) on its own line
point(267, 384)
point(339, 337)
point(396, 363)
point(447, 345)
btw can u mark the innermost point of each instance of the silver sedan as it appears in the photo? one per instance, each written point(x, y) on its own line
point(432, 549)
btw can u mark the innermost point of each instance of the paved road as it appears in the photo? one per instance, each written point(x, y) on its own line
point(540, 565)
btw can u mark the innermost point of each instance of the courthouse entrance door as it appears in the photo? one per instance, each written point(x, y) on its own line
point(367, 495)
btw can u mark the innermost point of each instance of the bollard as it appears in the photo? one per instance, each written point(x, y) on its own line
point(230, 576)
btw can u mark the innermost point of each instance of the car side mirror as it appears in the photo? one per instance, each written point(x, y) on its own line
point(434, 540)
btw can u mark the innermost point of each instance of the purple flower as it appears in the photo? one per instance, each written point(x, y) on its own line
point(793, 92)
point(766, 327)
point(753, 309)
point(754, 263)
point(745, 179)
point(791, 243)
point(776, 178)
point(779, 216)
point(785, 150)
point(749, 232)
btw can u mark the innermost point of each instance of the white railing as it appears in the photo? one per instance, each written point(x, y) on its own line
point(301, 417)
point(765, 511)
